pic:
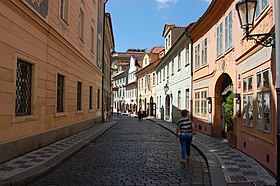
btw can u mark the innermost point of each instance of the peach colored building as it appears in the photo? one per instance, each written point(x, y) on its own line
point(51, 71)
point(234, 81)
point(109, 45)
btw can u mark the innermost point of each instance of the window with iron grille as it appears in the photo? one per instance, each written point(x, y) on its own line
point(90, 97)
point(79, 96)
point(60, 93)
point(23, 88)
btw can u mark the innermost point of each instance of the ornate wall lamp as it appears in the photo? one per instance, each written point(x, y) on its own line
point(166, 88)
point(246, 10)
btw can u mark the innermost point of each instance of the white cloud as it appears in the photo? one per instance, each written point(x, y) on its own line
point(165, 3)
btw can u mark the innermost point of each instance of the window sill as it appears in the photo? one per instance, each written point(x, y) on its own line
point(79, 112)
point(60, 114)
point(201, 67)
point(265, 131)
point(249, 126)
point(20, 119)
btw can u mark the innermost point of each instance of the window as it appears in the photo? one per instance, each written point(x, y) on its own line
point(81, 25)
point(179, 99)
point(187, 99)
point(203, 103)
point(157, 102)
point(154, 78)
point(60, 93)
point(157, 78)
point(204, 51)
point(187, 61)
point(92, 40)
point(172, 67)
point(163, 74)
point(248, 116)
point(23, 88)
point(179, 61)
point(79, 96)
point(263, 101)
point(90, 97)
point(196, 103)
point(160, 76)
point(197, 56)
point(167, 71)
point(98, 98)
point(64, 6)
point(261, 5)
point(142, 83)
point(220, 39)
point(228, 30)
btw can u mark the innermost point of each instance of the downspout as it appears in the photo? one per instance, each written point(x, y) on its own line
point(277, 53)
point(103, 63)
point(191, 62)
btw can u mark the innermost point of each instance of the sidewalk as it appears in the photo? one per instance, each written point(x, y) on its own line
point(227, 166)
point(21, 170)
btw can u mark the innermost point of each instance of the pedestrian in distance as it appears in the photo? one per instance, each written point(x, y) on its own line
point(140, 114)
point(184, 132)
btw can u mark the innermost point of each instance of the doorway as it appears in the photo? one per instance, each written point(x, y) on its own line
point(223, 117)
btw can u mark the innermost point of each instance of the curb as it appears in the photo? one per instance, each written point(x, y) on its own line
point(215, 169)
point(30, 175)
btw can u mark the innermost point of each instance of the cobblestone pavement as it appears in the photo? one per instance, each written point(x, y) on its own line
point(131, 153)
point(29, 166)
point(237, 167)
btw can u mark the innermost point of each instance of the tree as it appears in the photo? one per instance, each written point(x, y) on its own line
point(228, 112)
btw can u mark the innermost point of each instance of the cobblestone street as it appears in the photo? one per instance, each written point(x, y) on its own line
point(131, 153)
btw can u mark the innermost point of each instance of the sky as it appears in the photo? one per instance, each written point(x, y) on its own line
point(138, 24)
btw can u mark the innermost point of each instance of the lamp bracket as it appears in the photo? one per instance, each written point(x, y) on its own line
point(266, 40)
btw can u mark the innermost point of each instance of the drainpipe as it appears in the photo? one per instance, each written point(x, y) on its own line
point(103, 64)
point(191, 58)
point(277, 53)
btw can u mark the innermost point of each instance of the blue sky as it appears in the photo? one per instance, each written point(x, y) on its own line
point(140, 23)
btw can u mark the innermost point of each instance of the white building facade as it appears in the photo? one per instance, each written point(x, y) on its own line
point(174, 76)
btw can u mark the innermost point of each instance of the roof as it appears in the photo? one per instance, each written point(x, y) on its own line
point(157, 49)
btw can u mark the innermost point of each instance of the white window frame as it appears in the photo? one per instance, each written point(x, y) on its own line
point(228, 31)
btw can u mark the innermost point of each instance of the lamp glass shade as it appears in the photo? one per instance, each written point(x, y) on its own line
point(246, 12)
point(166, 88)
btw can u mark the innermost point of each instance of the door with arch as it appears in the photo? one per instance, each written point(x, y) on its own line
point(167, 107)
point(223, 118)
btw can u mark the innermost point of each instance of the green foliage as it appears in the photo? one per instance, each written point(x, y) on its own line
point(228, 112)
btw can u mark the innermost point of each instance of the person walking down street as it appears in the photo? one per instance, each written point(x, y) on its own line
point(184, 132)
point(140, 114)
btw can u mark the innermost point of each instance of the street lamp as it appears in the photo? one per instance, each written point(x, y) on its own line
point(166, 88)
point(246, 10)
